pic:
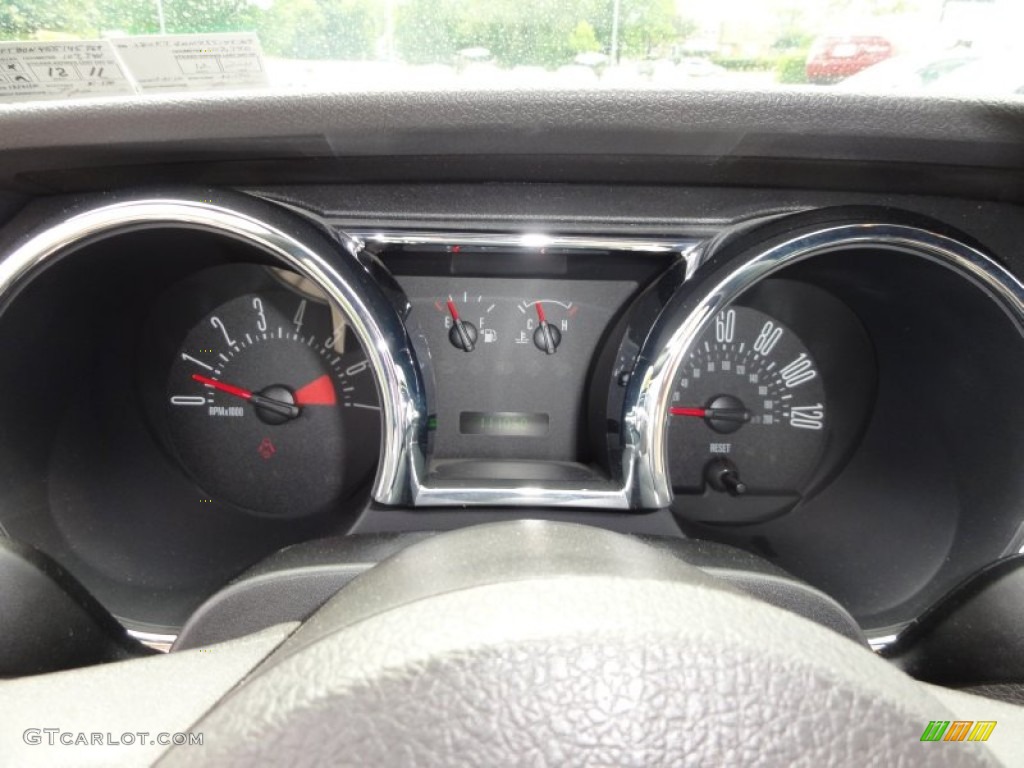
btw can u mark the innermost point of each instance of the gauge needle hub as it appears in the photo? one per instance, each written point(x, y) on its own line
point(262, 401)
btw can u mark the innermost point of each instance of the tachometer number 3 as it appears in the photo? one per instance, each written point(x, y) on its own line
point(261, 317)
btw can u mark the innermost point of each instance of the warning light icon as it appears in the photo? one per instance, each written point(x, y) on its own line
point(266, 448)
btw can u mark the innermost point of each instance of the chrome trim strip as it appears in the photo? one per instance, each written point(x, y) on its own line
point(881, 642)
point(669, 344)
point(611, 498)
point(526, 240)
point(154, 640)
point(373, 318)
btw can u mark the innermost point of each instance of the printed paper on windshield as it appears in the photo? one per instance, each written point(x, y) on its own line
point(57, 70)
point(193, 62)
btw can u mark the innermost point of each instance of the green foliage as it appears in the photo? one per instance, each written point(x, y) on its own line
point(793, 40)
point(184, 16)
point(320, 29)
point(531, 32)
point(292, 29)
point(647, 25)
point(685, 28)
point(516, 32)
point(643, 24)
point(427, 32)
point(583, 39)
point(876, 7)
point(133, 17)
point(737, 64)
point(791, 68)
point(21, 19)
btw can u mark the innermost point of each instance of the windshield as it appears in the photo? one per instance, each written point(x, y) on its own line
point(64, 48)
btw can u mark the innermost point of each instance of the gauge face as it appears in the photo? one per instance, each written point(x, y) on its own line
point(271, 405)
point(546, 322)
point(748, 409)
point(467, 319)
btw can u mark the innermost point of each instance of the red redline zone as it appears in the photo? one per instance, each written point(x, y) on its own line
point(320, 391)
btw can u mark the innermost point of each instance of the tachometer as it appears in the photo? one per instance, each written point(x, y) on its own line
point(748, 410)
point(271, 405)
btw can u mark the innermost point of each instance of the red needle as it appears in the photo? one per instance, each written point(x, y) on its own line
point(286, 409)
point(700, 413)
point(540, 312)
point(464, 337)
point(245, 394)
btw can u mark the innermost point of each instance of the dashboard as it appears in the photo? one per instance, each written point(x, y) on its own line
point(199, 378)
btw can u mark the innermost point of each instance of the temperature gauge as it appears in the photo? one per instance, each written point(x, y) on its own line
point(547, 323)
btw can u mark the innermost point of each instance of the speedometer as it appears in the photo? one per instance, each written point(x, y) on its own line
point(749, 411)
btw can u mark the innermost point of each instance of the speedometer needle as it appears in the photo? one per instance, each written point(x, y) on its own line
point(269, 403)
point(739, 415)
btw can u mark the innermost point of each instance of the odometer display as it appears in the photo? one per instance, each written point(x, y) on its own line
point(748, 409)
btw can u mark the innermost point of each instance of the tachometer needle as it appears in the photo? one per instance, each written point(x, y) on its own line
point(271, 404)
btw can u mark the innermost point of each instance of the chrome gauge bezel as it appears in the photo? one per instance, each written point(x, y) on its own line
point(688, 315)
point(328, 259)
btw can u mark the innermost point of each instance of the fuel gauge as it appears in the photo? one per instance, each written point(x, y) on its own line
point(466, 320)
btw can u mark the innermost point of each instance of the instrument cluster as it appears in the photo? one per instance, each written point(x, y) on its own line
point(235, 377)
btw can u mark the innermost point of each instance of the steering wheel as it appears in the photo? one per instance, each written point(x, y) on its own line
point(538, 643)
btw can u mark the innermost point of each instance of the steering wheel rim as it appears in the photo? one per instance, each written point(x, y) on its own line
point(554, 643)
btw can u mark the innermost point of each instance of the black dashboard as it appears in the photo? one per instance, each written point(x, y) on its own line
point(218, 353)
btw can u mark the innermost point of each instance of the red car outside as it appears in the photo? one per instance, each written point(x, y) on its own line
point(833, 58)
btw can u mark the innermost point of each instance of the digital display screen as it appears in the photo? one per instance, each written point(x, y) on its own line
point(503, 423)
